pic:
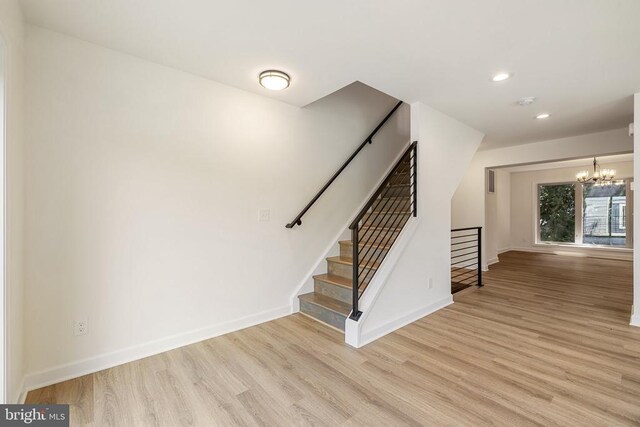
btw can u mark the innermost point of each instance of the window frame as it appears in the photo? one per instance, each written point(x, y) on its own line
point(579, 191)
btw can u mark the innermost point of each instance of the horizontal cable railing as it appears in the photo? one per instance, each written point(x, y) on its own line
point(466, 258)
point(298, 219)
point(378, 224)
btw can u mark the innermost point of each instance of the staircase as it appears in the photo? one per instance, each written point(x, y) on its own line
point(331, 302)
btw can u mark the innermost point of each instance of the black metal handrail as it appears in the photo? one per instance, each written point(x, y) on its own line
point(298, 219)
point(378, 224)
point(466, 258)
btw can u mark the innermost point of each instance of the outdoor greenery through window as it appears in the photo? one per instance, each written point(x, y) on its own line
point(558, 213)
point(583, 213)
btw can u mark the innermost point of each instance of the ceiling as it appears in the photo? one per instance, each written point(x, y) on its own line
point(586, 162)
point(580, 58)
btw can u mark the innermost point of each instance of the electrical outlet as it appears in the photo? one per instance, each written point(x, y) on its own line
point(265, 215)
point(80, 327)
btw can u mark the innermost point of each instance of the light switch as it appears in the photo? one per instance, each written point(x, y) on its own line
point(265, 215)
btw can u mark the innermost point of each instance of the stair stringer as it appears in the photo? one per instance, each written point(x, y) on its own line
point(353, 334)
point(306, 285)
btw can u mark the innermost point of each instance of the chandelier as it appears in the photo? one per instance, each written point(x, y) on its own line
point(599, 177)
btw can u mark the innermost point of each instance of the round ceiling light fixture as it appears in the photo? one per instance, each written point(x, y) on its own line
point(500, 77)
point(274, 80)
point(542, 116)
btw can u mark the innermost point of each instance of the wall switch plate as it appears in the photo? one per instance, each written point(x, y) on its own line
point(265, 215)
point(429, 283)
point(80, 327)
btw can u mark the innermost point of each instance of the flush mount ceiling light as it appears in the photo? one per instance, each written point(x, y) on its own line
point(274, 80)
point(500, 77)
point(543, 116)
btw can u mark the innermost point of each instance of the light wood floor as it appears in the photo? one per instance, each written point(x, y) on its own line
point(545, 342)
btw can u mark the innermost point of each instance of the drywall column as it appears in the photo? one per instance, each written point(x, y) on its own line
point(12, 30)
point(420, 282)
point(635, 315)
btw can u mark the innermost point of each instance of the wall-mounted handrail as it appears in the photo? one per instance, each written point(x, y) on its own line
point(298, 219)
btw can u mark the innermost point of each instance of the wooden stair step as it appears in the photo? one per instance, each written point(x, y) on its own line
point(325, 309)
point(392, 218)
point(349, 261)
point(379, 245)
point(336, 287)
point(343, 267)
point(335, 280)
point(368, 232)
point(367, 227)
point(403, 212)
point(397, 190)
point(403, 207)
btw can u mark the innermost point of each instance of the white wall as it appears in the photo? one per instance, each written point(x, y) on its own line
point(524, 205)
point(145, 186)
point(635, 317)
point(445, 149)
point(12, 31)
point(468, 204)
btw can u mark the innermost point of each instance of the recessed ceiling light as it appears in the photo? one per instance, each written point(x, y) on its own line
point(500, 77)
point(274, 80)
point(543, 116)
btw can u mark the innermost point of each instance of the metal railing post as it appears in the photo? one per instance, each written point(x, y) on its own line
point(479, 257)
point(355, 314)
point(415, 180)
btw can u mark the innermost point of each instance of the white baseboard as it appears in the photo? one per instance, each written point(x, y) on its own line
point(577, 251)
point(493, 261)
point(404, 320)
point(78, 368)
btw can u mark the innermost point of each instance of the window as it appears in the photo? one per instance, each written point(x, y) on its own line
point(604, 220)
point(557, 213)
point(588, 214)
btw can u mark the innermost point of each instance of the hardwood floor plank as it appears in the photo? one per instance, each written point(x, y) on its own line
point(545, 342)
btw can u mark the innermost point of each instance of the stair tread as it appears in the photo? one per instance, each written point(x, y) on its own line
point(378, 245)
point(396, 199)
point(327, 302)
point(367, 227)
point(349, 261)
point(393, 212)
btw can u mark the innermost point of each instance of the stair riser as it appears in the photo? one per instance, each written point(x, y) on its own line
point(346, 251)
point(333, 291)
point(378, 235)
point(323, 314)
point(403, 204)
point(346, 271)
point(388, 220)
point(397, 191)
